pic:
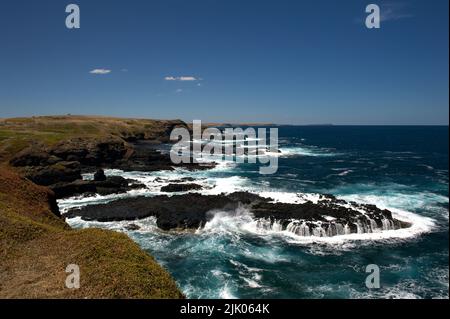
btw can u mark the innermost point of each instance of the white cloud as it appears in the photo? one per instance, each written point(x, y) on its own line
point(100, 71)
point(179, 91)
point(391, 11)
point(187, 78)
point(394, 11)
point(180, 78)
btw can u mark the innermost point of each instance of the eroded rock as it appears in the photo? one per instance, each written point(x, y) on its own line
point(327, 217)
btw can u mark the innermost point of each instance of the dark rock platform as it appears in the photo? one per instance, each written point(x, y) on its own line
point(192, 211)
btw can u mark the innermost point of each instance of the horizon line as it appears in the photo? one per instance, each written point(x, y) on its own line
point(216, 123)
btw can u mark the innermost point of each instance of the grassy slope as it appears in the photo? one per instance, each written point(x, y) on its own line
point(36, 245)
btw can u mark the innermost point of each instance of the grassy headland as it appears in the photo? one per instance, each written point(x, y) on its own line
point(17, 133)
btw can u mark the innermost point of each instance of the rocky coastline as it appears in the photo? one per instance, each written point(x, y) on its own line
point(34, 174)
point(60, 168)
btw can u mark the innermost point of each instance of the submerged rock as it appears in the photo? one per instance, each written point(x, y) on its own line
point(172, 188)
point(132, 227)
point(99, 176)
point(111, 185)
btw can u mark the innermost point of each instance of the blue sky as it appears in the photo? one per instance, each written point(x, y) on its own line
point(288, 62)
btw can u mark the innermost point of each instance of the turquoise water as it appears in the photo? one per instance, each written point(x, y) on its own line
point(401, 168)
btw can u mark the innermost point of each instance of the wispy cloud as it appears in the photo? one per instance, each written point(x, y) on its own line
point(391, 11)
point(100, 71)
point(179, 91)
point(181, 78)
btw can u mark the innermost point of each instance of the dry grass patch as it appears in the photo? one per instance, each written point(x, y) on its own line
point(36, 246)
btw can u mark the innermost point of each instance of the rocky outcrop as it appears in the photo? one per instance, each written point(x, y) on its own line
point(144, 156)
point(86, 151)
point(34, 155)
point(327, 217)
point(55, 173)
point(60, 165)
point(110, 185)
point(172, 187)
point(105, 152)
point(99, 176)
point(91, 152)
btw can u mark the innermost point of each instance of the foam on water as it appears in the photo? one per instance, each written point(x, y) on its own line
point(225, 293)
point(145, 225)
point(81, 201)
point(397, 200)
point(214, 181)
point(242, 221)
point(289, 151)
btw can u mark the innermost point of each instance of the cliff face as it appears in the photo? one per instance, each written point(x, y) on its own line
point(36, 245)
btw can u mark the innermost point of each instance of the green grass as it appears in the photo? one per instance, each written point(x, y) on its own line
point(13, 141)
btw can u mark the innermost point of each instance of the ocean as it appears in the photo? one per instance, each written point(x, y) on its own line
point(401, 168)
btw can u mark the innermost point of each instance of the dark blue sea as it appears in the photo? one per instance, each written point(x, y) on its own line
point(404, 169)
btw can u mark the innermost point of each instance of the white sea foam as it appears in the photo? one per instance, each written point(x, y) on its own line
point(244, 266)
point(225, 293)
point(81, 201)
point(213, 182)
point(304, 151)
point(288, 197)
point(344, 173)
point(144, 225)
point(243, 222)
point(250, 282)
point(405, 289)
point(399, 200)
